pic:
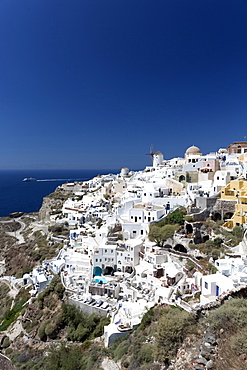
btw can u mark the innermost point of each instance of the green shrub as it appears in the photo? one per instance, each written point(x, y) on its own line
point(10, 315)
point(189, 218)
point(50, 330)
point(239, 342)
point(215, 254)
point(79, 335)
point(120, 351)
point(147, 318)
point(172, 329)
point(6, 342)
point(175, 217)
point(41, 332)
point(73, 357)
point(238, 232)
point(73, 315)
point(159, 234)
point(8, 351)
point(145, 355)
point(59, 289)
point(60, 321)
point(231, 314)
point(99, 329)
point(190, 265)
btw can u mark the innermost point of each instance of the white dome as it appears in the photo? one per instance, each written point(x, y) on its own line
point(193, 150)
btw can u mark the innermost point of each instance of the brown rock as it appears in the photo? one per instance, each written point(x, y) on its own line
point(242, 357)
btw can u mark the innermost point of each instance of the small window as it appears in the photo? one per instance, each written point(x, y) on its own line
point(206, 285)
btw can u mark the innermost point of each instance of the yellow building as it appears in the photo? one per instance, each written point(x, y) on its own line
point(236, 190)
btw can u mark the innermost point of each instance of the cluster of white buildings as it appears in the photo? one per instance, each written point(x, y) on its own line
point(109, 266)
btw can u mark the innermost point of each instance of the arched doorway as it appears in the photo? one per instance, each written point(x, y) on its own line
point(181, 178)
point(167, 246)
point(180, 248)
point(216, 216)
point(228, 215)
point(97, 271)
point(108, 270)
point(205, 238)
point(189, 229)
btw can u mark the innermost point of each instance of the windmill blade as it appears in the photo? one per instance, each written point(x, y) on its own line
point(151, 153)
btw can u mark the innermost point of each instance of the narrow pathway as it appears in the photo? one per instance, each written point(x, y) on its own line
point(17, 234)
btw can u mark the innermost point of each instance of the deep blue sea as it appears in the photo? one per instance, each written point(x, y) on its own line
point(19, 196)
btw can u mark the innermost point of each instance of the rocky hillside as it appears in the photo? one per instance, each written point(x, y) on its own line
point(167, 338)
point(52, 203)
point(25, 243)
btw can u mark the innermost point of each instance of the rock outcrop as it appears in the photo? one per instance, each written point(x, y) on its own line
point(52, 203)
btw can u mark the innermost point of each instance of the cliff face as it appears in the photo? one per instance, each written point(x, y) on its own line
point(52, 203)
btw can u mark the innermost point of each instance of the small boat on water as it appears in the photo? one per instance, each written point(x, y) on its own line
point(29, 179)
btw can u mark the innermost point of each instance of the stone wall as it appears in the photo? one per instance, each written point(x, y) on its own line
point(88, 309)
point(239, 292)
point(224, 206)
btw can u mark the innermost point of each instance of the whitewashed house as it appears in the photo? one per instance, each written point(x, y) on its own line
point(214, 285)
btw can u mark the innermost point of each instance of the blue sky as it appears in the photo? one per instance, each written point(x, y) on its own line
point(93, 83)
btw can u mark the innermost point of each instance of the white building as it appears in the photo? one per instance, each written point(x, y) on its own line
point(213, 286)
point(221, 179)
point(232, 165)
